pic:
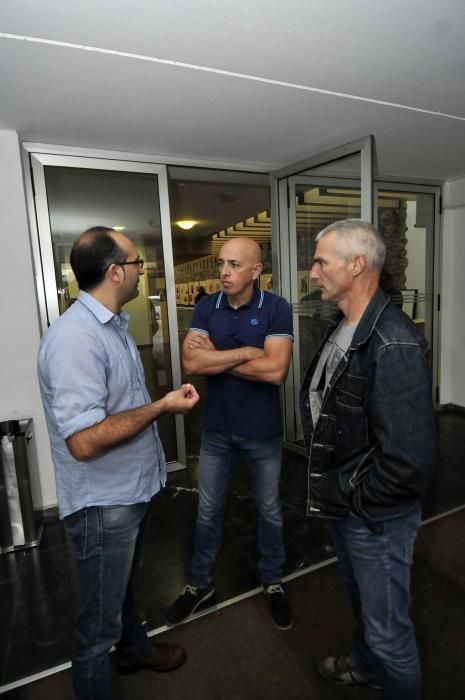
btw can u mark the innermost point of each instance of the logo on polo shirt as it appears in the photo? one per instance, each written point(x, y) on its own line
point(254, 321)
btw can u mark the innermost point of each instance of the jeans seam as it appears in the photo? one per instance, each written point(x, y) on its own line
point(86, 524)
point(99, 514)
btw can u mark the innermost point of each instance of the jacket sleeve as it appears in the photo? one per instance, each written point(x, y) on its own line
point(402, 428)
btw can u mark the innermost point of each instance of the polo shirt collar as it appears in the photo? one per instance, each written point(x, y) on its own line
point(100, 311)
point(256, 300)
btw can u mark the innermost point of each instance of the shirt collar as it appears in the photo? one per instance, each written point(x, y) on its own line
point(100, 311)
point(256, 300)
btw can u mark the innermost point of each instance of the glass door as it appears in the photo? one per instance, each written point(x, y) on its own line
point(207, 208)
point(306, 197)
point(73, 194)
point(408, 218)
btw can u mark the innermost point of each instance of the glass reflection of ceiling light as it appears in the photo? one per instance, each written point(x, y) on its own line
point(66, 272)
point(186, 224)
point(118, 228)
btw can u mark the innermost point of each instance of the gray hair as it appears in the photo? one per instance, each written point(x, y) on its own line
point(358, 237)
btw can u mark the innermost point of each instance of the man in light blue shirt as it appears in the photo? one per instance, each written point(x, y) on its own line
point(108, 458)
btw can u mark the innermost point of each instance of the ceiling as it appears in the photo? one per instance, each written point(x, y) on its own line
point(246, 84)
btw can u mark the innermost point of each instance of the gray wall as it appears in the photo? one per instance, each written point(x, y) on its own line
point(452, 367)
point(19, 389)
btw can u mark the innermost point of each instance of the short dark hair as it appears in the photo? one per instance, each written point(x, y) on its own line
point(92, 254)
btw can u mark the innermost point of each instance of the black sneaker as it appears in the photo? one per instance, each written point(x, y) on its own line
point(187, 603)
point(341, 670)
point(280, 610)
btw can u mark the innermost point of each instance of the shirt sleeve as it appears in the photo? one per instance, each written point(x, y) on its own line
point(199, 322)
point(281, 321)
point(73, 379)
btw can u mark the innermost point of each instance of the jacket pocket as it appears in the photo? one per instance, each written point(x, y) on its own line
point(351, 427)
point(330, 493)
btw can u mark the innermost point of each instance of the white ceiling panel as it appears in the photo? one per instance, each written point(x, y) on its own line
point(260, 83)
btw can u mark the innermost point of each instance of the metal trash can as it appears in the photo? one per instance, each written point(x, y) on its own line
point(18, 527)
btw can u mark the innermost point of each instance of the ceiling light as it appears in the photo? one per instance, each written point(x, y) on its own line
point(118, 228)
point(186, 224)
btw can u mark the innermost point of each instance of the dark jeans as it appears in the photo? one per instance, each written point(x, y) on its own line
point(218, 457)
point(106, 544)
point(376, 571)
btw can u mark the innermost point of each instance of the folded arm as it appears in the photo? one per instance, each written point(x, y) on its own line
point(200, 356)
point(272, 367)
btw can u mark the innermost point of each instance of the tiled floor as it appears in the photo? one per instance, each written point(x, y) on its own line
point(35, 584)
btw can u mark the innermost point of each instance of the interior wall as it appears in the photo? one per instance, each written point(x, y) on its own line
point(19, 395)
point(452, 369)
point(19, 387)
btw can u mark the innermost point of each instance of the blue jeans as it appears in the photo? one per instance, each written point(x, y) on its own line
point(376, 571)
point(106, 544)
point(219, 455)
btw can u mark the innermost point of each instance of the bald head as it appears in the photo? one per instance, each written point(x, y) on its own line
point(245, 249)
point(239, 265)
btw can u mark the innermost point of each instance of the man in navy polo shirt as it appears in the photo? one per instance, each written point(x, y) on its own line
point(241, 339)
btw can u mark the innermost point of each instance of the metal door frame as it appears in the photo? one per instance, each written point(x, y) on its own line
point(284, 253)
point(43, 250)
point(433, 262)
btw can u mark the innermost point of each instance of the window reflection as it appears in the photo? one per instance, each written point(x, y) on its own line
point(80, 198)
point(223, 205)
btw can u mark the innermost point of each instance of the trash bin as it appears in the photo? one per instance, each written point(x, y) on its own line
point(18, 527)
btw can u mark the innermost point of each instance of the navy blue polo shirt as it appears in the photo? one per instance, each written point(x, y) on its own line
point(237, 406)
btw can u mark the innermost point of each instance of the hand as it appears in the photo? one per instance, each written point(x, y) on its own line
point(181, 400)
point(199, 340)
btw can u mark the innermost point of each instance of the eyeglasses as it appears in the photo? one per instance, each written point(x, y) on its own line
point(138, 261)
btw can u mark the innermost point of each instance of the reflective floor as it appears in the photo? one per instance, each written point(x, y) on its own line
point(35, 584)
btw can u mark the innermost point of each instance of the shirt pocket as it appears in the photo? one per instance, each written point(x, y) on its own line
point(124, 388)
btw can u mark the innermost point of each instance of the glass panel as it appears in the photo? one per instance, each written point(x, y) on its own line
point(346, 167)
point(316, 206)
point(80, 198)
point(330, 192)
point(222, 205)
point(406, 220)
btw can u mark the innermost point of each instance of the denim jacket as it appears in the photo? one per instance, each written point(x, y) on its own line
point(373, 448)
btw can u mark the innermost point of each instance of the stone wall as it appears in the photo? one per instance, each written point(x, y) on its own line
point(393, 228)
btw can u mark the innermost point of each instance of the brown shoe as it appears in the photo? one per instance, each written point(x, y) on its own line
point(164, 657)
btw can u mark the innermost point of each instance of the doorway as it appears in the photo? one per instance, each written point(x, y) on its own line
point(339, 185)
point(73, 194)
point(177, 218)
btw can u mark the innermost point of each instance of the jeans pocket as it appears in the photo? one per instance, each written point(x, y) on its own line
point(409, 543)
point(84, 531)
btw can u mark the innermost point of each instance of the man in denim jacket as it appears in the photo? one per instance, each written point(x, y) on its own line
point(370, 433)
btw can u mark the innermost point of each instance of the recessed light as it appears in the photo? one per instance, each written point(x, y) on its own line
point(186, 224)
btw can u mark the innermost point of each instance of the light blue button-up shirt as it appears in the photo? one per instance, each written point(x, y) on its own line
point(89, 368)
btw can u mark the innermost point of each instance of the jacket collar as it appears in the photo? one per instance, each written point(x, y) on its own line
point(376, 306)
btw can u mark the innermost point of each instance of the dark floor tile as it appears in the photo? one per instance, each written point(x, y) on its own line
point(165, 571)
point(40, 625)
point(235, 572)
point(35, 584)
point(53, 535)
point(181, 508)
point(10, 566)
